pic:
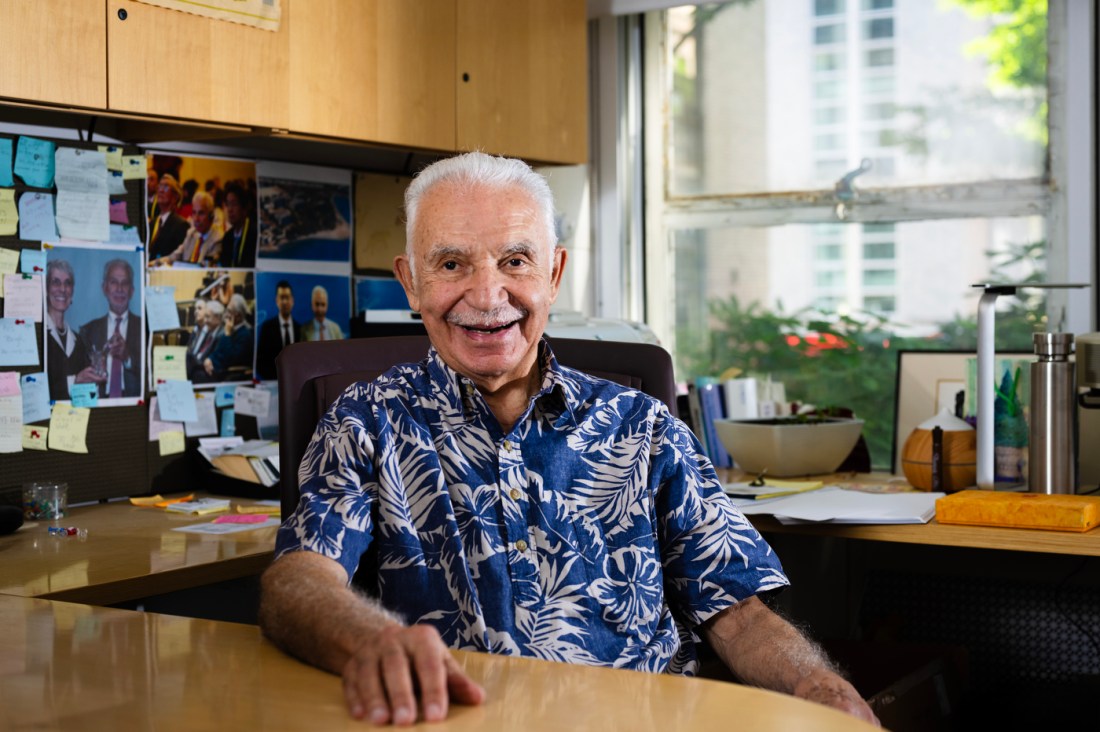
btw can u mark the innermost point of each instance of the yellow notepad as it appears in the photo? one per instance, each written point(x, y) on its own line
point(772, 488)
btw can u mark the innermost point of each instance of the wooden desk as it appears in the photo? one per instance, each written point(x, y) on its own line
point(65, 666)
point(129, 553)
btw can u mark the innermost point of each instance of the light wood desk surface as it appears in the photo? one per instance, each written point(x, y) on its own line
point(129, 553)
point(66, 666)
point(933, 533)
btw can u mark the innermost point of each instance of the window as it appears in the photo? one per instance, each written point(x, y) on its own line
point(757, 112)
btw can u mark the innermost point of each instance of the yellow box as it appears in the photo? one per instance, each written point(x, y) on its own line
point(1019, 510)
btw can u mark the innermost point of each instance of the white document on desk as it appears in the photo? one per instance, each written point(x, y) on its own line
point(839, 506)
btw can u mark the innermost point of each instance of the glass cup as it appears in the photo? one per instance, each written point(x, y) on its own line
point(45, 500)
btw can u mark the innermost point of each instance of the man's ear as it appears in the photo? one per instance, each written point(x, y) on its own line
point(403, 270)
point(560, 255)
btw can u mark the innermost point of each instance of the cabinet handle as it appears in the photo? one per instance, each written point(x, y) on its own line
point(122, 13)
point(465, 77)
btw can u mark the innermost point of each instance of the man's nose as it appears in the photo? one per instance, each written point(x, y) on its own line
point(487, 288)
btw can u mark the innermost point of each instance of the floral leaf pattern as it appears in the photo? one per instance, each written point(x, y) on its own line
point(593, 532)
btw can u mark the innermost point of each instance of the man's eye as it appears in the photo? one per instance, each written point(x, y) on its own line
point(515, 262)
point(450, 266)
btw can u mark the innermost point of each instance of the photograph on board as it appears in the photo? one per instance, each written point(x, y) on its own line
point(292, 307)
point(95, 327)
point(305, 213)
point(216, 323)
point(201, 212)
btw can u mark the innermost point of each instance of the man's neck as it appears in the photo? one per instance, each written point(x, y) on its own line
point(509, 400)
point(118, 315)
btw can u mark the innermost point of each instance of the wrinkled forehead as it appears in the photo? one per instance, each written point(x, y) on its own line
point(455, 214)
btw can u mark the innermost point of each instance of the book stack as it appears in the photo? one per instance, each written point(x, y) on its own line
point(254, 461)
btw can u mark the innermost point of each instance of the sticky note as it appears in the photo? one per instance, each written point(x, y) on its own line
point(23, 297)
point(32, 261)
point(36, 217)
point(223, 395)
point(83, 207)
point(169, 364)
point(36, 397)
point(177, 401)
point(118, 214)
point(229, 424)
point(116, 186)
point(9, 383)
point(17, 343)
point(133, 167)
point(84, 395)
point(112, 156)
point(252, 402)
point(9, 215)
point(160, 307)
point(69, 428)
point(207, 422)
point(158, 425)
point(34, 161)
point(9, 261)
point(122, 234)
point(242, 518)
point(11, 419)
point(34, 437)
point(5, 162)
point(172, 442)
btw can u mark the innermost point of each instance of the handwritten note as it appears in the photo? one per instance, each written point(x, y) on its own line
point(69, 428)
point(133, 167)
point(32, 261)
point(36, 217)
point(9, 383)
point(207, 422)
point(5, 162)
point(122, 234)
point(11, 420)
point(112, 156)
point(17, 344)
point(34, 437)
point(252, 402)
point(116, 186)
point(171, 442)
point(83, 207)
point(36, 397)
point(9, 215)
point(177, 401)
point(169, 363)
point(84, 395)
point(9, 260)
point(34, 162)
point(160, 307)
point(23, 297)
point(158, 425)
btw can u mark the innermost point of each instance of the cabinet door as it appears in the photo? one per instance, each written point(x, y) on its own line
point(523, 78)
point(175, 64)
point(378, 70)
point(52, 51)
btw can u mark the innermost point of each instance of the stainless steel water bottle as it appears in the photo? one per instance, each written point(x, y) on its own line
point(1052, 459)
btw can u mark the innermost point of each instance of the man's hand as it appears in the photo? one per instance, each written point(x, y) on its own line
point(208, 367)
point(88, 375)
point(825, 687)
point(382, 676)
point(116, 345)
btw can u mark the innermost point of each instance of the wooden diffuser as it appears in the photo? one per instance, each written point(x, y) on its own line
point(959, 455)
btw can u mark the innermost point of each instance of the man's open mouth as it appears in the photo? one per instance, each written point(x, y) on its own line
point(495, 329)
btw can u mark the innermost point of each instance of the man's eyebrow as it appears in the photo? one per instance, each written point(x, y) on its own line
point(520, 247)
point(443, 251)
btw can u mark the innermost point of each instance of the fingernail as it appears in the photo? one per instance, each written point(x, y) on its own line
point(402, 715)
point(433, 711)
point(378, 715)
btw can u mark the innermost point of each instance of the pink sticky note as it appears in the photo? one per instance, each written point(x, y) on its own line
point(243, 518)
point(118, 213)
point(9, 383)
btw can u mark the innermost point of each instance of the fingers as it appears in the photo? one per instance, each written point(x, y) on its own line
point(382, 678)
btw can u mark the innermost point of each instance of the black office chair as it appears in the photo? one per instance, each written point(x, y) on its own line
point(313, 374)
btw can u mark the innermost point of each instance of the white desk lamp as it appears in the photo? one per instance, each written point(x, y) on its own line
point(987, 375)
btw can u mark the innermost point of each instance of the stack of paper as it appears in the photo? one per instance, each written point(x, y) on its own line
point(199, 507)
point(255, 461)
point(772, 488)
point(839, 506)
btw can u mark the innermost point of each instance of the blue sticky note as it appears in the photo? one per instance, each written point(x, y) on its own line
point(160, 307)
point(225, 395)
point(84, 395)
point(5, 162)
point(124, 234)
point(17, 344)
point(36, 397)
point(32, 261)
point(229, 423)
point(37, 221)
point(34, 162)
point(177, 401)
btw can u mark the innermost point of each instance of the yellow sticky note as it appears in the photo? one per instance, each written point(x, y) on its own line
point(133, 167)
point(113, 154)
point(9, 215)
point(69, 428)
point(171, 442)
point(34, 437)
point(169, 363)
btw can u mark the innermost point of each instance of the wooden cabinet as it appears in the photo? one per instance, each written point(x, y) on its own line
point(523, 80)
point(174, 64)
point(378, 70)
point(52, 51)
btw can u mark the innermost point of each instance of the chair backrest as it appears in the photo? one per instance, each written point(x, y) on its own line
point(313, 374)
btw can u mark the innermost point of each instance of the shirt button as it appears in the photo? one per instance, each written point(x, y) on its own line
point(507, 445)
point(514, 493)
point(521, 546)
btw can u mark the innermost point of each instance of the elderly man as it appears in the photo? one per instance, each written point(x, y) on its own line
point(113, 342)
point(320, 328)
point(167, 228)
point(202, 245)
point(234, 347)
point(517, 506)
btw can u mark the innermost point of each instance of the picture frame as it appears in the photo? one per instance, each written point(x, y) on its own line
point(929, 381)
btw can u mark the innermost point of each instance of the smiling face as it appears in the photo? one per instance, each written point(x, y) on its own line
point(118, 288)
point(59, 291)
point(486, 275)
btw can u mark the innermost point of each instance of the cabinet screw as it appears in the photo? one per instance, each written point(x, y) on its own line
point(122, 13)
point(465, 77)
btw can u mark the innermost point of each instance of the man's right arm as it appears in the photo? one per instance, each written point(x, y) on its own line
point(308, 610)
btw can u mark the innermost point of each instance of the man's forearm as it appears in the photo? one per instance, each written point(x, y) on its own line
point(307, 609)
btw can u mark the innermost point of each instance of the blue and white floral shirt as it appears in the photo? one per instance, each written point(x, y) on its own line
point(593, 532)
